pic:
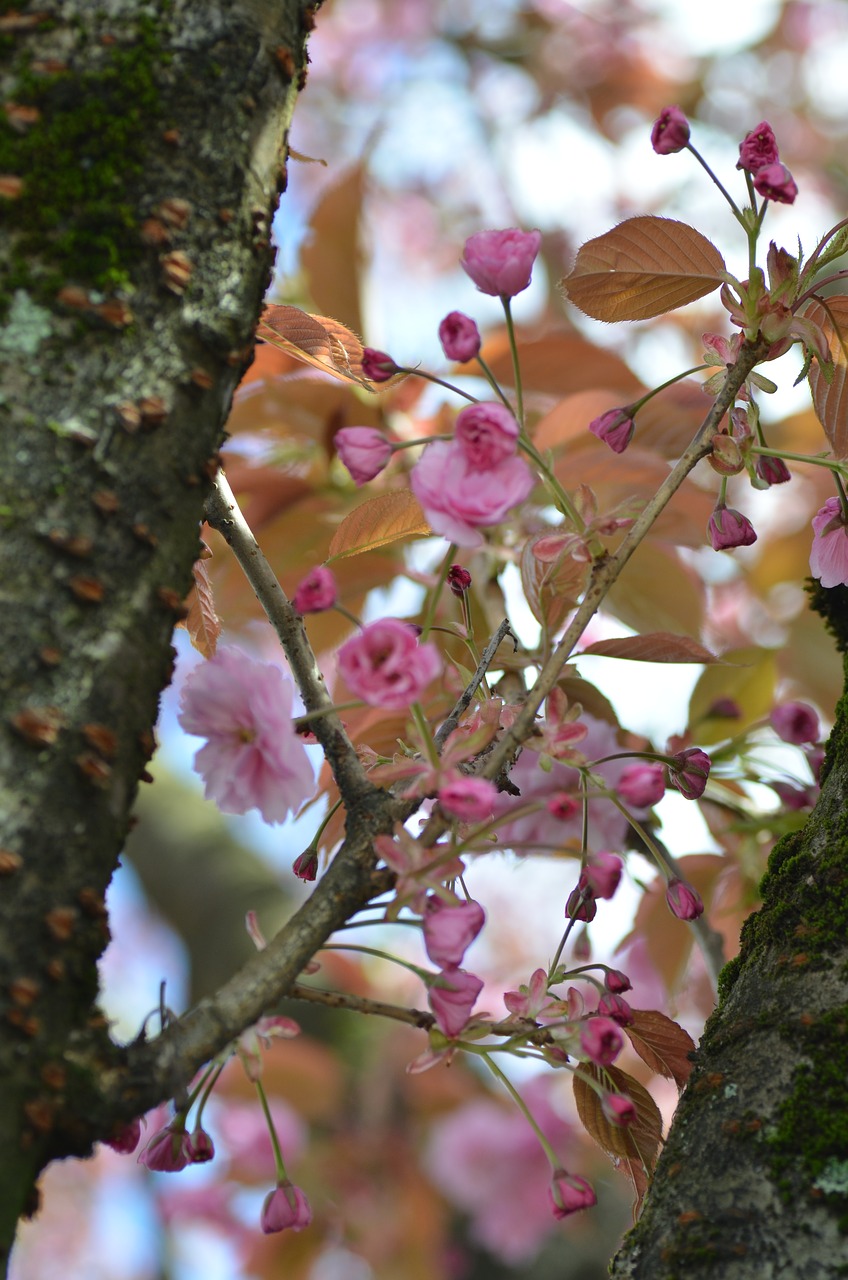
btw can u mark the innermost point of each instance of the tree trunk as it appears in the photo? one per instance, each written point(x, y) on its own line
point(141, 152)
point(753, 1181)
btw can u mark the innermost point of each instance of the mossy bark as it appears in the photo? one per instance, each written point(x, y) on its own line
point(143, 151)
point(753, 1181)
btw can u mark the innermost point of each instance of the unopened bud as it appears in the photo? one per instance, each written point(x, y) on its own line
point(726, 456)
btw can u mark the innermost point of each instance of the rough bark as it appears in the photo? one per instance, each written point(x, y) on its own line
point(135, 253)
point(753, 1181)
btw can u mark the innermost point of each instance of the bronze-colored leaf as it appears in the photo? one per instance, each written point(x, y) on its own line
point(551, 589)
point(642, 268)
point(316, 340)
point(634, 1147)
point(377, 522)
point(655, 646)
point(662, 1044)
point(202, 622)
point(831, 398)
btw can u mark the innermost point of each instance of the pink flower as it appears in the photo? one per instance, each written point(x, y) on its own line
point(201, 1147)
point(775, 182)
point(829, 553)
point(449, 931)
point(612, 1006)
point(728, 528)
point(615, 428)
point(169, 1150)
point(684, 901)
point(568, 1193)
point(363, 450)
point(305, 865)
point(253, 757)
point(758, 148)
point(616, 981)
point(459, 499)
point(285, 1208)
point(316, 592)
point(386, 666)
point(487, 433)
point(500, 262)
point(602, 873)
point(460, 337)
point(601, 1040)
point(452, 996)
point(563, 806)
point(529, 1000)
point(689, 772)
point(125, 1140)
point(670, 132)
point(795, 722)
point(773, 470)
point(377, 366)
point(469, 799)
point(459, 579)
point(642, 785)
point(618, 1109)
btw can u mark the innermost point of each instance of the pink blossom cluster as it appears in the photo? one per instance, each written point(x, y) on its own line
point(385, 665)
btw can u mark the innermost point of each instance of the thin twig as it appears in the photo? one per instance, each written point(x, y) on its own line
point(464, 700)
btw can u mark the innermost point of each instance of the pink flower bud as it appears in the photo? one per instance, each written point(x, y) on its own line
point(487, 433)
point(449, 931)
point(168, 1150)
point(285, 1208)
point(685, 902)
point(689, 772)
point(615, 428)
point(795, 798)
point(601, 1040)
point(829, 553)
point(613, 1006)
point(452, 996)
point(305, 865)
point(125, 1140)
point(459, 579)
point(562, 805)
point(758, 148)
point(460, 337)
point(616, 981)
point(618, 1109)
point(670, 132)
point(501, 262)
point(386, 666)
point(728, 528)
point(602, 874)
point(377, 366)
point(775, 182)
point(568, 1193)
point(469, 799)
point(773, 470)
point(725, 709)
point(642, 785)
point(201, 1147)
point(795, 722)
point(364, 451)
point(581, 904)
point(316, 592)
point(726, 456)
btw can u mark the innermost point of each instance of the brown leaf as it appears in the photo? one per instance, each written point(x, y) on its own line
point(831, 398)
point(633, 1147)
point(662, 1044)
point(377, 522)
point(642, 268)
point(332, 257)
point(561, 364)
point(316, 340)
point(202, 623)
point(658, 589)
point(654, 646)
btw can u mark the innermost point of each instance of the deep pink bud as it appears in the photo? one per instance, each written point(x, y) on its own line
point(364, 451)
point(569, 1193)
point(725, 709)
point(773, 470)
point(469, 799)
point(487, 433)
point(728, 528)
point(460, 337)
point(689, 772)
point(501, 262)
point(670, 132)
point(285, 1208)
point(452, 996)
point(642, 784)
point(602, 873)
point(615, 428)
point(200, 1146)
point(459, 579)
point(450, 930)
point(613, 1006)
point(758, 148)
point(616, 981)
point(601, 1040)
point(775, 182)
point(125, 1140)
point(168, 1150)
point(581, 904)
point(685, 902)
point(618, 1109)
point(562, 805)
point(316, 592)
point(793, 797)
point(795, 722)
point(377, 366)
point(305, 865)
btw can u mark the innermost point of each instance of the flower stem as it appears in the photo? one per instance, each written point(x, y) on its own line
point(279, 1163)
point(433, 597)
point(737, 213)
point(519, 394)
point(522, 1106)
